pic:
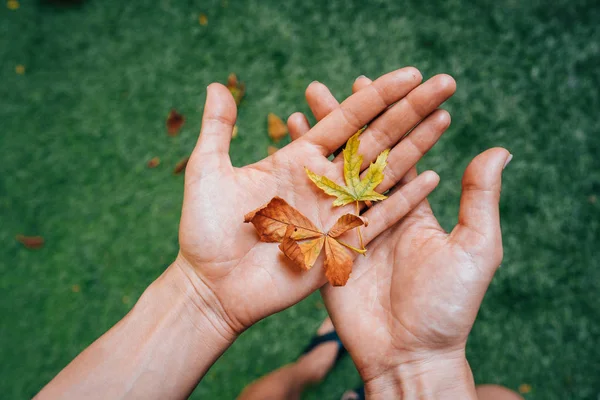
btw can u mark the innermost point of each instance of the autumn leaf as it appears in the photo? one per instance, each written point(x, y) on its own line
point(153, 162)
point(272, 220)
point(356, 189)
point(277, 129)
point(180, 166)
point(237, 89)
point(524, 388)
point(174, 122)
point(234, 133)
point(302, 242)
point(271, 150)
point(31, 242)
point(202, 19)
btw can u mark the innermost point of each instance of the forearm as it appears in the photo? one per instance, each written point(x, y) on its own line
point(431, 379)
point(160, 350)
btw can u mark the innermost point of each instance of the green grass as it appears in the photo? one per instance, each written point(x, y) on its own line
point(78, 127)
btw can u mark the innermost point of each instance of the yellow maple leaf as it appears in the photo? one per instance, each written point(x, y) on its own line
point(356, 189)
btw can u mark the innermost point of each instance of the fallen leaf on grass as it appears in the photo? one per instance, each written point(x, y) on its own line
point(75, 288)
point(302, 242)
point(31, 242)
point(272, 150)
point(12, 4)
point(237, 89)
point(524, 388)
point(174, 122)
point(203, 19)
point(180, 166)
point(20, 69)
point(234, 134)
point(277, 129)
point(154, 162)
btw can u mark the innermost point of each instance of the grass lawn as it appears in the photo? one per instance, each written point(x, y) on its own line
point(79, 125)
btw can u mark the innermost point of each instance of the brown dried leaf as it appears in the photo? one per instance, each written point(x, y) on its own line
point(302, 242)
point(338, 262)
point(31, 242)
point(237, 89)
point(154, 162)
point(203, 19)
point(524, 388)
point(234, 134)
point(277, 128)
point(180, 166)
point(174, 122)
point(272, 150)
point(345, 223)
point(271, 222)
point(303, 254)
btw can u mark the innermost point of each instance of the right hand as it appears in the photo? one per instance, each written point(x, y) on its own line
point(410, 303)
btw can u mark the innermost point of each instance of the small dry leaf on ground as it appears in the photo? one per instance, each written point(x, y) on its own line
point(202, 19)
point(237, 89)
point(234, 134)
point(180, 166)
point(524, 388)
point(276, 127)
point(31, 242)
point(20, 69)
point(174, 122)
point(302, 242)
point(12, 4)
point(154, 162)
point(272, 150)
point(76, 288)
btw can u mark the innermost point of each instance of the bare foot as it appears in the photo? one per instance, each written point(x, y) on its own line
point(319, 361)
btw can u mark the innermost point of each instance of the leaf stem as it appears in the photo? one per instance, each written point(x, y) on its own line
point(360, 251)
point(360, 239)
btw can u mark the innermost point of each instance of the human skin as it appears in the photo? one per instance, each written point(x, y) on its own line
point(224, 279)
point(408, 308)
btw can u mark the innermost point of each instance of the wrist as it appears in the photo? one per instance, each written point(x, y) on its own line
point(432, 376)
point(198, 303)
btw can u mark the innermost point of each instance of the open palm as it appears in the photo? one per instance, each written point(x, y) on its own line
point(231, 269)
point(417, 292)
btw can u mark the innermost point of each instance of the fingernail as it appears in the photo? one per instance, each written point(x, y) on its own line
point(508, 160)
point(359, 77)
point(313, 82)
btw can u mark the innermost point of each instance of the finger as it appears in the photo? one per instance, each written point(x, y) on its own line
point(423, 210)
point(297, 125)
point(387, 213)
point(320, 100)
point(409, 151)
point(388, 129)
point(219, 117)
point(361, 108)
point(360, 83)
point(478, 229)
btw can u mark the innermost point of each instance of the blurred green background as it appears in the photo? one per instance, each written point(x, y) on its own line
point(79, 124)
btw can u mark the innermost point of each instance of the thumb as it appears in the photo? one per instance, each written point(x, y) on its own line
point(478, 229)
point(219, 117)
